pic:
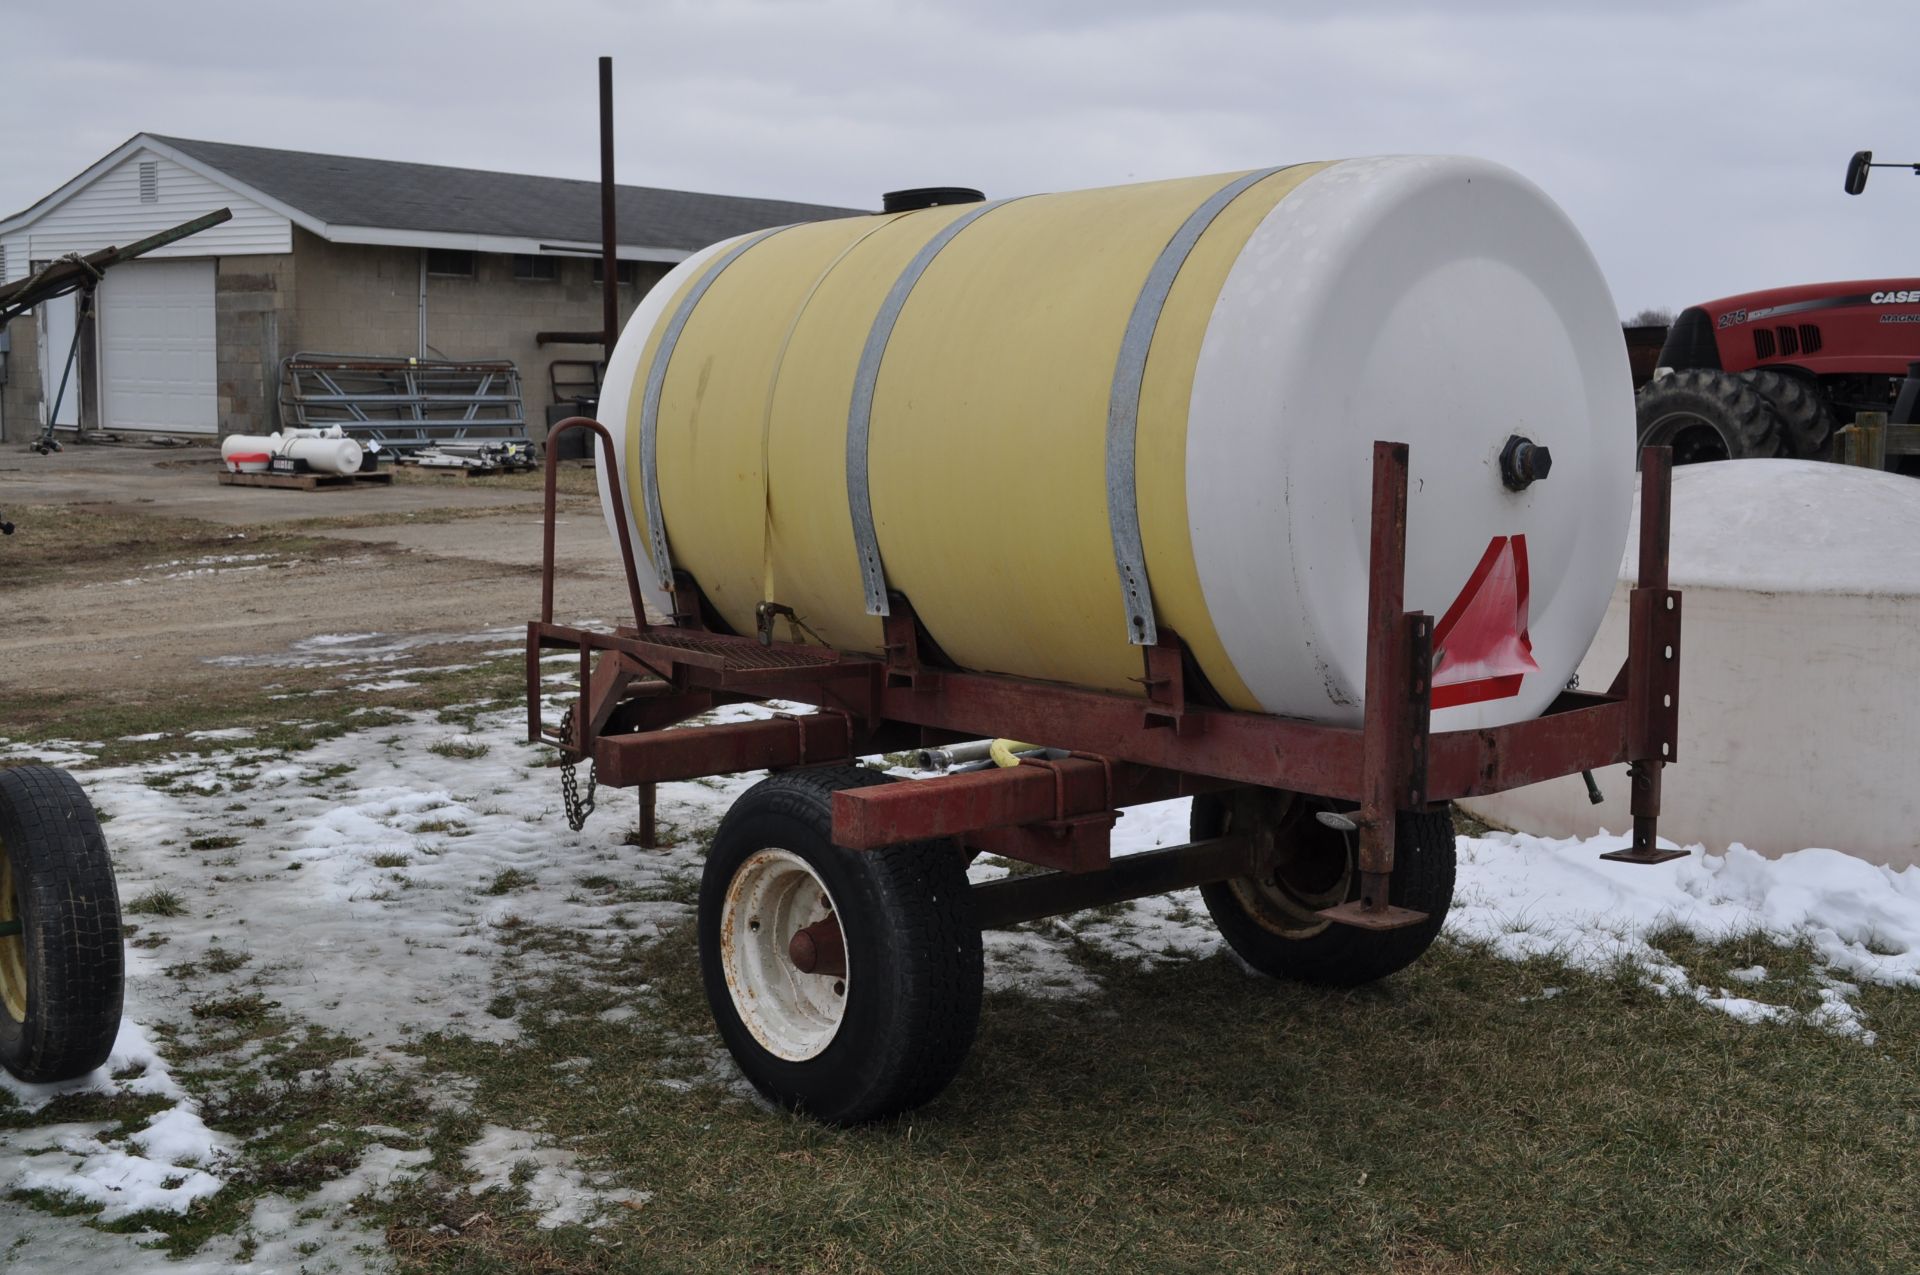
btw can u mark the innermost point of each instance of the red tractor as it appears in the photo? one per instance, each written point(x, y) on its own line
point(1775, 373)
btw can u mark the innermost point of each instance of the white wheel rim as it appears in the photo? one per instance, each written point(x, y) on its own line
point(773, 896)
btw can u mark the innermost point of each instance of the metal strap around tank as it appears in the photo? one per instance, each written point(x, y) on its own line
point(1123, 408)
point(860, 414)
point(650, 405)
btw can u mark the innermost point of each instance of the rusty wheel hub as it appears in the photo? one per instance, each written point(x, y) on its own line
point(1304, 865)
point(783, 955)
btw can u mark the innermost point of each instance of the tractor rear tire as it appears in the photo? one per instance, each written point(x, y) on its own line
point(1802, 410)
point(62, 976)
point(889, 1022)
point(1271, 922)
point(1706, 415)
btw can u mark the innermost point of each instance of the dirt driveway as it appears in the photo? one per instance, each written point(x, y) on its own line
point(133, 570)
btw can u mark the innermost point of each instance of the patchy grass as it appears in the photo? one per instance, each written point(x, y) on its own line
point(506, 881)
point(220, 960)
point(1191, 1117)
point(156, 903)
point(272, 1083)
point(464, 749)
point(248, 1008)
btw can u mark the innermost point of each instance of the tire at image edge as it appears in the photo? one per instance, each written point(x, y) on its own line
point(71, 944)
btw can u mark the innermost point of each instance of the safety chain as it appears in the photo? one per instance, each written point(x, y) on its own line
point(577, 810)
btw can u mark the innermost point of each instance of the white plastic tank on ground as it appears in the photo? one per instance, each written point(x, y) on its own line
point(1799, 668)
point(325, 451)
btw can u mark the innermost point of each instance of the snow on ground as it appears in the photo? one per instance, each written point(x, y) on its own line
point(1533, 896)
point(371, 898)
point(166, 1165)
point(373, 893)
point(557, 1188)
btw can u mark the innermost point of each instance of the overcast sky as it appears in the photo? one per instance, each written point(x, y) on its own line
point(1699, 146)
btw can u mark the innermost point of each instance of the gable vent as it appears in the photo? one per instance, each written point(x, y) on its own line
point(149, 181)
point(3, 263)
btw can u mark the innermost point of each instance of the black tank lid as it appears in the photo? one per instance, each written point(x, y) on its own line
point(928, 197)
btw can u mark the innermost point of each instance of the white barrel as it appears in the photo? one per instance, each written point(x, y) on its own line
point(964, 366)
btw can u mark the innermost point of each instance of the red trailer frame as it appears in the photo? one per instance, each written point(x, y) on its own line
point(637, 682)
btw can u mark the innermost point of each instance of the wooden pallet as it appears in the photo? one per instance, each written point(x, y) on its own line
point(306, 482)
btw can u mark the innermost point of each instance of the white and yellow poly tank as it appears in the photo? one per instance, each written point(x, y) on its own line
point(1064, 425)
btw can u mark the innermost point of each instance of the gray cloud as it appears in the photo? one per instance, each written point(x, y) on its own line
point(1698, 146)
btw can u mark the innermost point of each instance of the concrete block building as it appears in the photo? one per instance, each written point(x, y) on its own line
point(324, 254)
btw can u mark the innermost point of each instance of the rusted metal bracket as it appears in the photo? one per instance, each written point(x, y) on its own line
point(956, 805)
point(905, 667)
point(1058, 814)
point(777, 743)
point(1166, 683)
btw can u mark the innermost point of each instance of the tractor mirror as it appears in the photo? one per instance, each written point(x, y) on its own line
point(1857, 171)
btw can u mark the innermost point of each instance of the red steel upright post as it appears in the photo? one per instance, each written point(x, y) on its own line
point(1653, 662)
point(1385, 748)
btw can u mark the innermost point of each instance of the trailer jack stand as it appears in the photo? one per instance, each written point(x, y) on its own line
point(1357, 914)
point(1645, 777)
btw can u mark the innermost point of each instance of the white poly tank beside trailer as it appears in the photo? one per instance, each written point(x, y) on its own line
point(1800, 683)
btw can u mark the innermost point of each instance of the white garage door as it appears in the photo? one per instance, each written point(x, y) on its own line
point(156, 347)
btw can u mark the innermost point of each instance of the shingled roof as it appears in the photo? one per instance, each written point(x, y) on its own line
point(342, 190)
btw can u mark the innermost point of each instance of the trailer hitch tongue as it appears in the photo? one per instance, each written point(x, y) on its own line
point(819, 949)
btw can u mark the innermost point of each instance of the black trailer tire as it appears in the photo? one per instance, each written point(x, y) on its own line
point(62, 977)
point(892, 1032)
point(1706, 415)
point(1271, 922)
point(1805, 418)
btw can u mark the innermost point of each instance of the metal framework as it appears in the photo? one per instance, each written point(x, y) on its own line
point(403, 403)
point(1121, 750)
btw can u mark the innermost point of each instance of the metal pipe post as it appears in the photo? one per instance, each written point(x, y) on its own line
point(609, 226)
point(649, 827)
point(607, 460)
